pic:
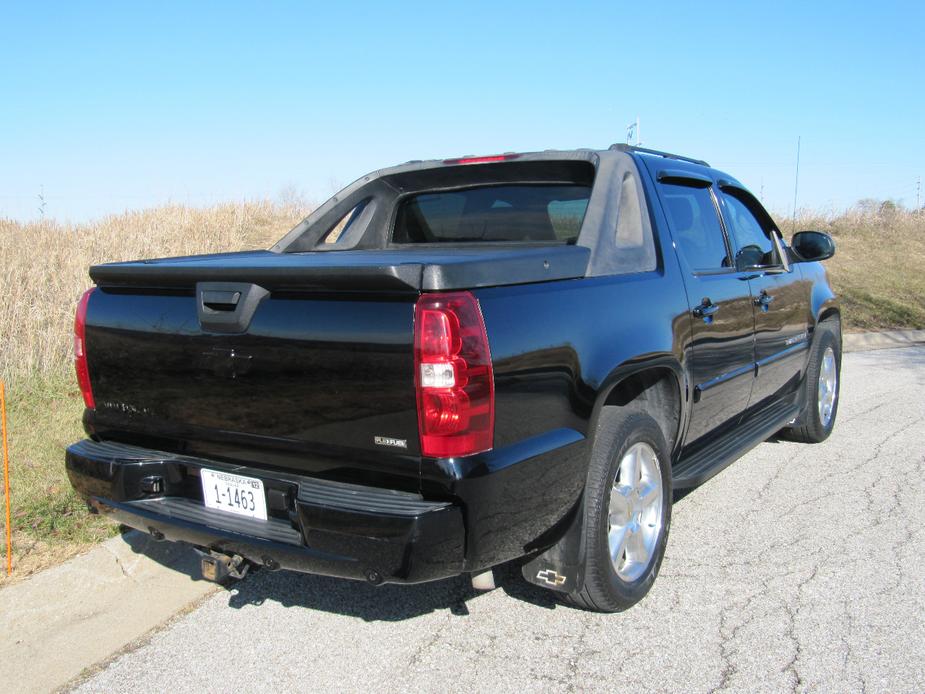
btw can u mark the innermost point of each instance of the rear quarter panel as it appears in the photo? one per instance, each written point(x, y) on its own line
point(558, 348)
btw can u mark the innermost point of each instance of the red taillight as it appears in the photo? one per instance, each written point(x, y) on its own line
point(482, 160)
point(453, 376)
point(80, 349)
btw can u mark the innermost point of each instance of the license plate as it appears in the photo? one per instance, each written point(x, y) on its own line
point(234, 494)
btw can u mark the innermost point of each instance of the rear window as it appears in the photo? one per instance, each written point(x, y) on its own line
point(496, 213)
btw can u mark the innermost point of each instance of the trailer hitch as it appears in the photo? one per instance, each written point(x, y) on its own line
point(219, 567)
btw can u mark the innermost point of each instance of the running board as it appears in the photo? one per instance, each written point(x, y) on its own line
point(702, 464)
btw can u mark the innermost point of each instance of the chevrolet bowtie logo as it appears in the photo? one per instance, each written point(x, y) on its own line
point(551, 577)
point(226, 362)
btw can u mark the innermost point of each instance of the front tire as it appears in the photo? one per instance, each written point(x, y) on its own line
point(627, 512)
point(822, 389)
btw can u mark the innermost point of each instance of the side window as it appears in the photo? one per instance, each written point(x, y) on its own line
point(695, 226)
point(753, 245)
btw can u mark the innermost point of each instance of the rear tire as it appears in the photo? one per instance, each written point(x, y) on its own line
point(627, 512)
point(821, 389)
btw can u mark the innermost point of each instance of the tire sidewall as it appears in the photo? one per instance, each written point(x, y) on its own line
point(826, 340)
point(628, 430)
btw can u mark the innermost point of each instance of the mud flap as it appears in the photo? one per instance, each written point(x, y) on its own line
point(561, 567)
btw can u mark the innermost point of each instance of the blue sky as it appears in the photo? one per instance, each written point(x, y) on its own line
point(113, 106)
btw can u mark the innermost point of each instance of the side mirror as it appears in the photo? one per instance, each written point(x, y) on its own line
point(811, 246)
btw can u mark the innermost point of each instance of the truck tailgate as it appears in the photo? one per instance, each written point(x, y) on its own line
point(312, 374)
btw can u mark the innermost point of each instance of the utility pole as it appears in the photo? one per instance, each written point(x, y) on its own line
point(918, 193)
point(796, 186)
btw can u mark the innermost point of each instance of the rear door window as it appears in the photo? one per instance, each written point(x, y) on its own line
point(530, 213)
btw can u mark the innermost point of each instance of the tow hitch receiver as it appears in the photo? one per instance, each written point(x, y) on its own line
point(219, 567)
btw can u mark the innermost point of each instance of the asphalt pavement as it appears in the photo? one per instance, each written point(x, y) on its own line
point(798, 568)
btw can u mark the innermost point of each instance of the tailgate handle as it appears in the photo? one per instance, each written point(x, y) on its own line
point(220, 301)
point(227, 307)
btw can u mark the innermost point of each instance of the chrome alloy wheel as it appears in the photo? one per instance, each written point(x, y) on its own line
point(635, 512)
point(828, 386)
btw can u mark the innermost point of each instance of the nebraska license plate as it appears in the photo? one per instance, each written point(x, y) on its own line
point(233, 493)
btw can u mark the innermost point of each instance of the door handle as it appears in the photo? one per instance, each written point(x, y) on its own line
point(763, 300)
point(706, 309)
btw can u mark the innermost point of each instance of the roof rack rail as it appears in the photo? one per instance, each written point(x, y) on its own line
point(623, 147)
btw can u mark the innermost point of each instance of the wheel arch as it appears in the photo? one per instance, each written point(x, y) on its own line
point(830, 312)
point(656, 387)
point(824, 305)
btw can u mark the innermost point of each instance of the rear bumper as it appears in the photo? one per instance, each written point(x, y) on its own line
point(315, 526)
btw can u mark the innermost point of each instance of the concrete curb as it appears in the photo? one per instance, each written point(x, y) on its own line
point(65, 619)
point(859, 342)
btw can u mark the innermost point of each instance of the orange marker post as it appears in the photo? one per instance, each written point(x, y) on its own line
point(6, 483)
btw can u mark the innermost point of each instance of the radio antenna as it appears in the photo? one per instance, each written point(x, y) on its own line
point(796, 186)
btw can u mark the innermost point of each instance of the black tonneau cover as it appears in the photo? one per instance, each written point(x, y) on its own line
point(400, 270)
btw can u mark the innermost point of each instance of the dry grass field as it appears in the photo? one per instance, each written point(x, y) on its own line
point(879, 270)
point(879, 265)
point(43, 269)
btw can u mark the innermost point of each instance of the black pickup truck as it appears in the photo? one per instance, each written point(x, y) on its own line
point(455, 364)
